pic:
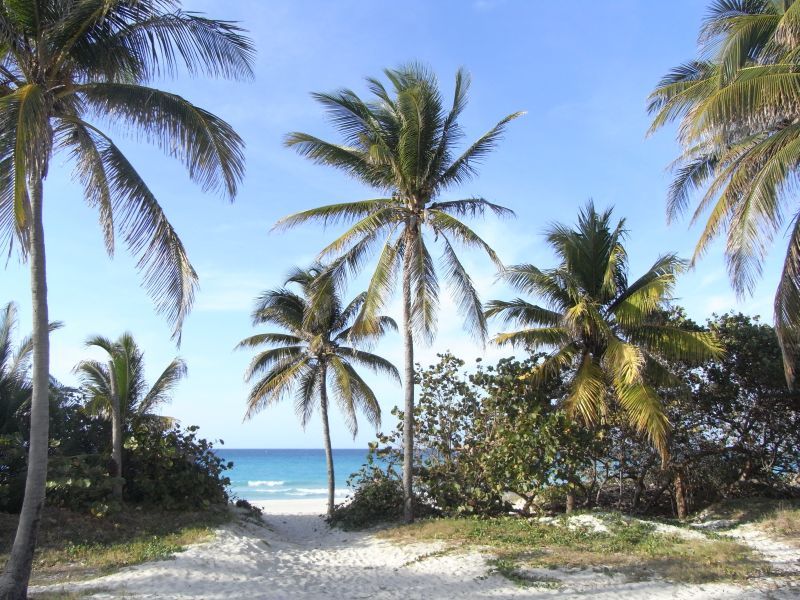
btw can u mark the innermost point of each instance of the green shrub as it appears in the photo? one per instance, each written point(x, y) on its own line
point(81, 483)
point(174, 469)
point(377, 499)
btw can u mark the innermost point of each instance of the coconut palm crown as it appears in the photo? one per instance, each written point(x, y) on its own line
point(317, 350)
point(404, 143)
point(117, 390)
point(601, 325)
point(738, 110)
point(123, 376)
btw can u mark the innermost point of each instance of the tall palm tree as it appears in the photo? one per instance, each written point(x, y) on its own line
point(64, 64)
point(404, 143)
point(318, 350)
point(600, 325)
point(117, 390)
point(738, 107)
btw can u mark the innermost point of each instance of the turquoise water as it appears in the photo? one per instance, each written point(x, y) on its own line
point(288, 474)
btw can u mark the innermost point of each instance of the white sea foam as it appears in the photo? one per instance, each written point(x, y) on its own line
point(308, 491)
point(267, 483)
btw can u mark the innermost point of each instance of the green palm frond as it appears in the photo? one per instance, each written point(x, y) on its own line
point(787, 303)
point(740, 136)
point(269, 359)
point(373, 362)
point(381, 286)
point(424, 289)
point(539, 337)
point(276, 384)
point(211, 150)
point(334, 214)
point(520, 312)
point(646, 413)
point(471, 207)
point(463, 168)
point(442, 222)
point(262, 339)
point(588, 389)
point(161, 391)
point(464, 292)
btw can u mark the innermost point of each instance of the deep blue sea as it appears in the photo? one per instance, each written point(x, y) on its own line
point(288, 474)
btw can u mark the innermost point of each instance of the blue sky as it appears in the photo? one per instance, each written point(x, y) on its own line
point(583, 74)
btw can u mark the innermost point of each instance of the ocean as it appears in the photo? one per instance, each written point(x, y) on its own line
point(269, 474)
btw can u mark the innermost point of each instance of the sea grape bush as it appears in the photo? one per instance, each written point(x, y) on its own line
point(174, 468)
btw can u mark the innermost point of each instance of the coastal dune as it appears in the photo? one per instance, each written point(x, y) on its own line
point(295, 555)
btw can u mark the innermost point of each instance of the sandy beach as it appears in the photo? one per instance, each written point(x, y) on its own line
point(295, 555)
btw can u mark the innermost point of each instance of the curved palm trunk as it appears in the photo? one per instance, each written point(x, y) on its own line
point(408, 390)
point(14, 581)
point(326, 437)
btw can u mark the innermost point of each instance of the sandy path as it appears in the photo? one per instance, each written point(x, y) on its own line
point(296, 556)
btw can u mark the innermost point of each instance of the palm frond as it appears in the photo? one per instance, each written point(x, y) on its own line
point(209, 147)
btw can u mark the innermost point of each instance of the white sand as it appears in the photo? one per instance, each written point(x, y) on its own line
point(296, 556)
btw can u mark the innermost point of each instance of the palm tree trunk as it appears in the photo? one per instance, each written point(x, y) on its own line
point(326, 437)
point(116, 446)
point(408, 389)
point(14, 581)
point(680, 494)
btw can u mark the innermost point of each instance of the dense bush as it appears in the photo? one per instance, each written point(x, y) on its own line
point(488, 437)
point(378, 493)
point(12, 472)
point(378, 498)
point(174, 468)
point(81, 483)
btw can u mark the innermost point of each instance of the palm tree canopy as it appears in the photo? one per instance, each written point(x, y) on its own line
point(403, 142)
point(122, 375)
point(599, 323)
point(737, 109)
point(317, 337)
point(67, 67)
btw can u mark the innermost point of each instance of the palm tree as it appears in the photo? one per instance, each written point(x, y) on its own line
point(403, 143)
point(600, 325)
point(739, 113)
point(117, 390)
point(62, 65)
point(320, 349)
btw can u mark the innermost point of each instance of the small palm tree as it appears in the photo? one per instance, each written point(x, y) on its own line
point(738, 107)
point(117, 390)
point(15, 387)
point(404, 144)
point(318, 350)
point(600, 325)
point(66, 69)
